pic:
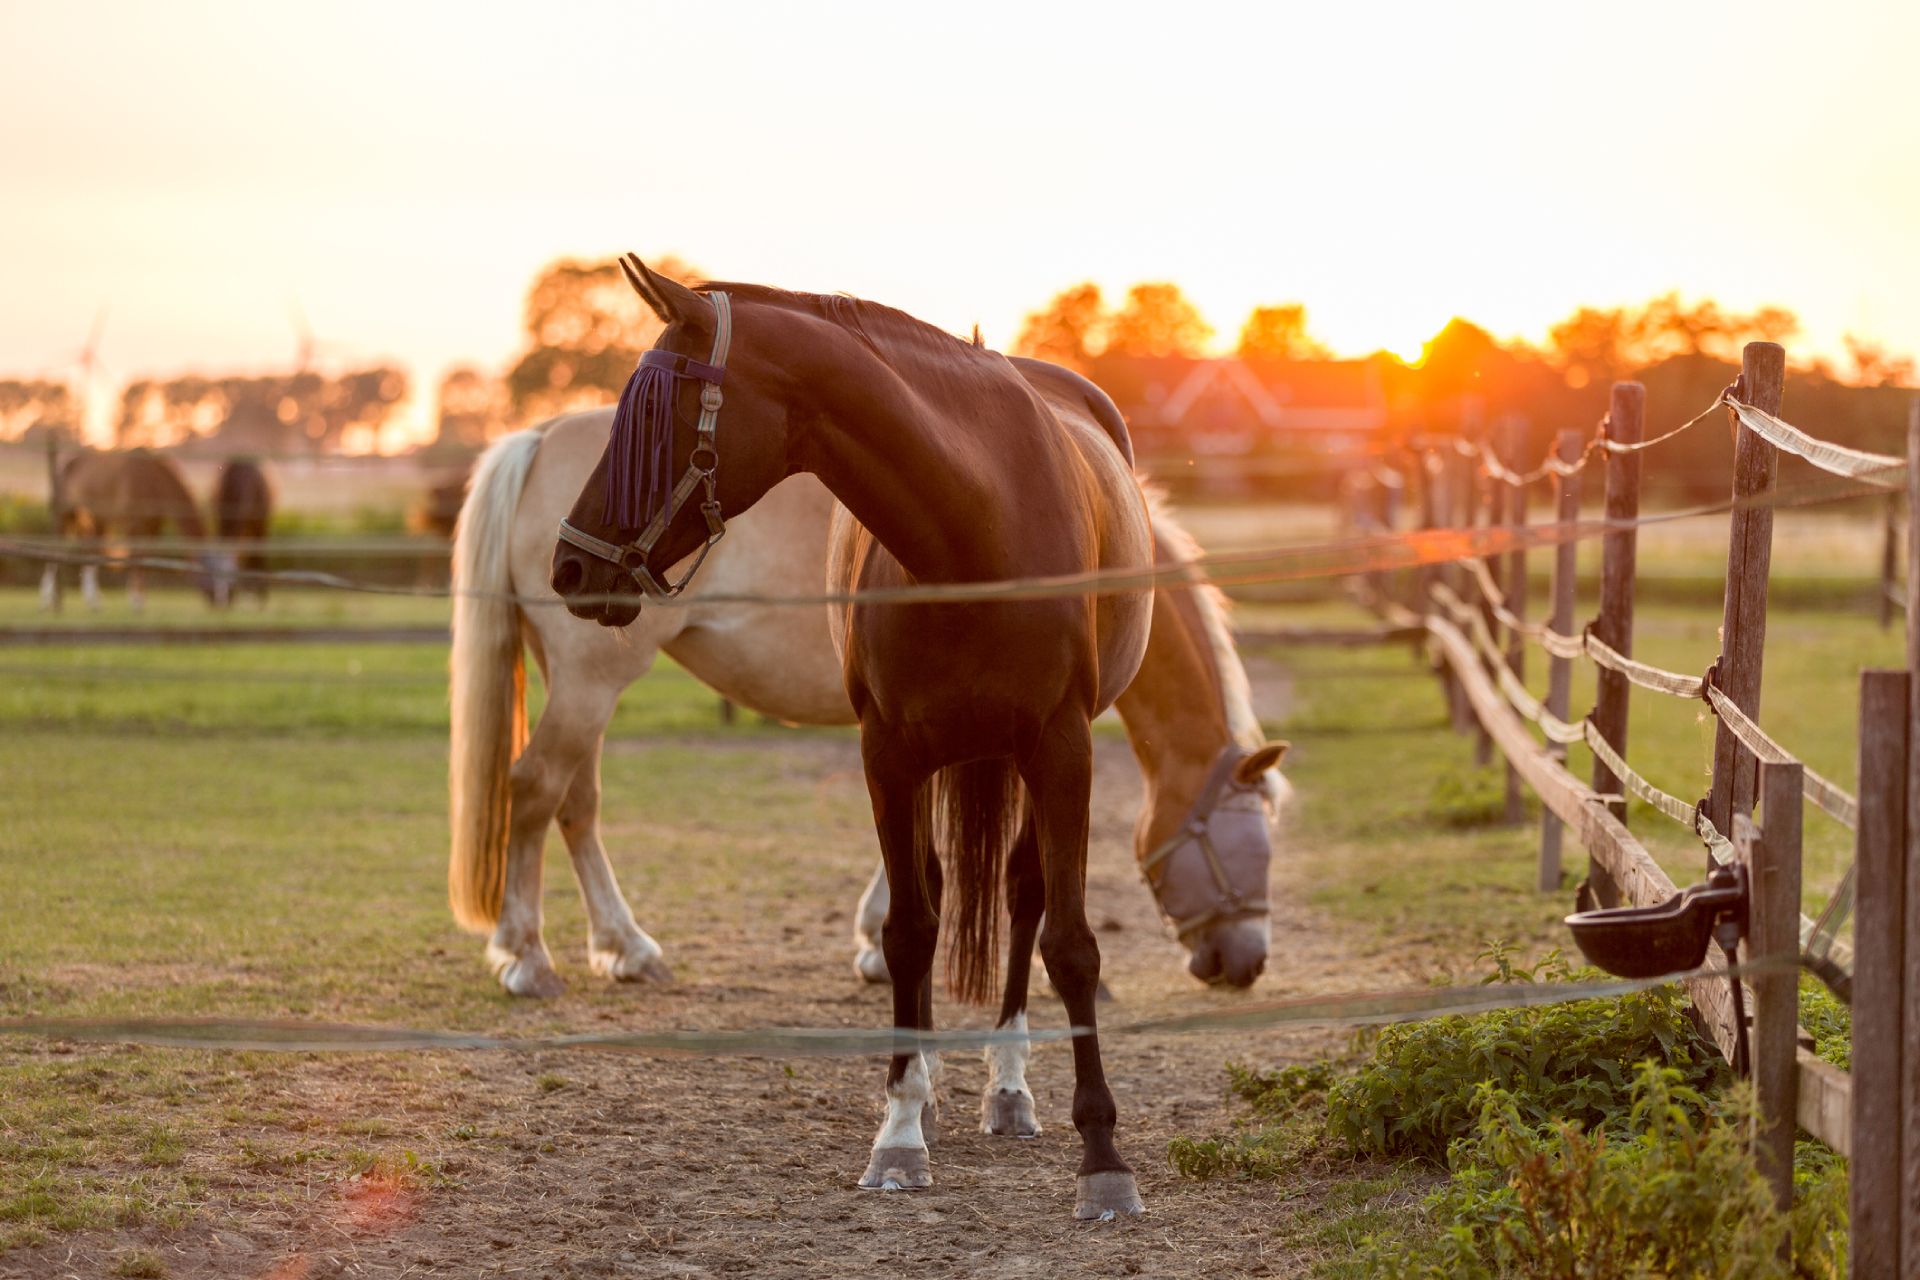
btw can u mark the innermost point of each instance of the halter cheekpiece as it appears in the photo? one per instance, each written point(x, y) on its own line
point(640, 453)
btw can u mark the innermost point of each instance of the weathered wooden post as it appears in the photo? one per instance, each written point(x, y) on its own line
point(1513, 434)
point(1772, 858)
point(1613, 625)
point(1743, 625)
point(1450, 504)
point(1480, 490)
point(56, 512)
point(1879, 966)
point(1560, 670)
point(1889, 557)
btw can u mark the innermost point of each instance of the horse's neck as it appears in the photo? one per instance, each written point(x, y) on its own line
point(916, 479)
point(171, 496)
point(1175, 715)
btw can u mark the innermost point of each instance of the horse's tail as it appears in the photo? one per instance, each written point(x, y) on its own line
point(488, 682)
point(975, 808)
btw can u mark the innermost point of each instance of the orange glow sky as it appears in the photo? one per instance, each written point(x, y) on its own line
point(403, 169)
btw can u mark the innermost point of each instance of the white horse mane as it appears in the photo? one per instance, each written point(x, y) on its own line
point(1216, 610)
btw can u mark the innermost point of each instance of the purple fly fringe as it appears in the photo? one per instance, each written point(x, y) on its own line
point(641, 449)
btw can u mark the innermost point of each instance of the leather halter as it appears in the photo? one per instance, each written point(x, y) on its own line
point(702, 464)
point(1229, 902)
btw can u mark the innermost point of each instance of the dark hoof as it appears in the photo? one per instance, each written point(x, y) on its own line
point(1106, 1196)
point(897, 1169)
point(1009, 1114)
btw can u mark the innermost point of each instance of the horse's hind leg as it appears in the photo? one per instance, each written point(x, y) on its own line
point(539, 781)
point(899, 1161)
point(617, 947)
point(869, 927)
point(50, 588)
point(1059, 778)
point(1006, 1107)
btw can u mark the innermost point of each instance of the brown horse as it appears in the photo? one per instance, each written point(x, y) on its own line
point(135, 494)
point(975, 718)
point(242, 511)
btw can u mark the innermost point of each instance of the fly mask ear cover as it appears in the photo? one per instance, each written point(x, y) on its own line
point(640, 451)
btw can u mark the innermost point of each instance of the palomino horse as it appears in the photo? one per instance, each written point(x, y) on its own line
point(242, 512)
point(134, 494)
point(1188, 715)
point(976, 718)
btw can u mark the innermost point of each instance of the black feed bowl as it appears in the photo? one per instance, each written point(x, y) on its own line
point(1645, 942)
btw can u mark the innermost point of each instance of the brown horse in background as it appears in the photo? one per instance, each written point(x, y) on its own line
point(975, 718)
point(132, 495)
point(242, 510)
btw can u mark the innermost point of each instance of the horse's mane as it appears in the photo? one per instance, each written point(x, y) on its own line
point(1215, 611)
point(885, 330)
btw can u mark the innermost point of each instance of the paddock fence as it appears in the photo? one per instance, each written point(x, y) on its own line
point(1473, 614)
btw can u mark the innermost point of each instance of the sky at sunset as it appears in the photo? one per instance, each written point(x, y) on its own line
point(402, 170)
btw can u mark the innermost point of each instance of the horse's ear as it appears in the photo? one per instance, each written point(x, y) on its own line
point(1264, 757)
point(669, 299)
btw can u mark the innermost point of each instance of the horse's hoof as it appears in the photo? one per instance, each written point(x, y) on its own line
point(871, 965)
point(1009, 1114)
point(528, 975)
point(636, 964)
point(897, 1169)
point(1106, 1196)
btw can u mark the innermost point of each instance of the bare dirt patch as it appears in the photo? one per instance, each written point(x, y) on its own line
point(591, 1164)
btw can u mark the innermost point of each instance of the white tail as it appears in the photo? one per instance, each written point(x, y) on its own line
point(488, 682)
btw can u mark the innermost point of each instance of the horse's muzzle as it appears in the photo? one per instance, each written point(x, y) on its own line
point(1230, 954)
point(572, 580)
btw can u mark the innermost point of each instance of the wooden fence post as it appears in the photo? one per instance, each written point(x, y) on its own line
point(1560, 670)
point(1451, 507)
point(56, 512)
point(1513, 434)
point(1909, 1113)
point(1879, 963)
point(1613, 625)
point(1481, 491)
point(1743, 625)
point(1889, 557)
point(1772, 857)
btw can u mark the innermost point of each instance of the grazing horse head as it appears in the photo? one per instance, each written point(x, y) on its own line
point(216, 576)
point(701, 433)
point(1210, 874)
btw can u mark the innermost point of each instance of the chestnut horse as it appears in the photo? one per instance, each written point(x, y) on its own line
point(1188, 714)
point(130, 494)
point(976, 718)
point(243, 512)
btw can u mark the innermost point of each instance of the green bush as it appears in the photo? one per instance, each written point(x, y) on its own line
point(1421, 1090)
point(1669, 1190)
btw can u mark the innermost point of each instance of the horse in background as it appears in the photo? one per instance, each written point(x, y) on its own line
point(242, 511)
point(136, 494)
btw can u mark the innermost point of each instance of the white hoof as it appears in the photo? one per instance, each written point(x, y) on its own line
point(1008, 1113)
point(897, 1169)
point(638, 960)
point(529, 974)
point(871, 965)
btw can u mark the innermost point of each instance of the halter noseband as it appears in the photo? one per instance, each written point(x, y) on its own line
point(1229, 902)
point(702, 464)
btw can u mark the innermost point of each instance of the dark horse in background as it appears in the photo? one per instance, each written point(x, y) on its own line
point(242, 511)
point(135, 496)
point(975, 718)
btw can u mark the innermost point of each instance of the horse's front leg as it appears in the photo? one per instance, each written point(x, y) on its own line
point(869, 927)
point(899, 1161)
point(50, 588)
point(1006, 1108)
point(617, 947)
point(1059, 778)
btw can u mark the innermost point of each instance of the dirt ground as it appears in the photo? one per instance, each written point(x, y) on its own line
point(596, 1164)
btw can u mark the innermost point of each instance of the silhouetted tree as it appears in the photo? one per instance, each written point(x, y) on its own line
point(585, 331)
point(31, 407)
point(1157, 320)
point(1279, 333)
point(472, 409)
point(290, 412)
point(1070, 330)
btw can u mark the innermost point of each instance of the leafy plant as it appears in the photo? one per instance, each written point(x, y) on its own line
point(1669, 1190)
point(1573, 1062)
point(1829, 1022)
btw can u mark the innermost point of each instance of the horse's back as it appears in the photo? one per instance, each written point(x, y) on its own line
point(1070, 392)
